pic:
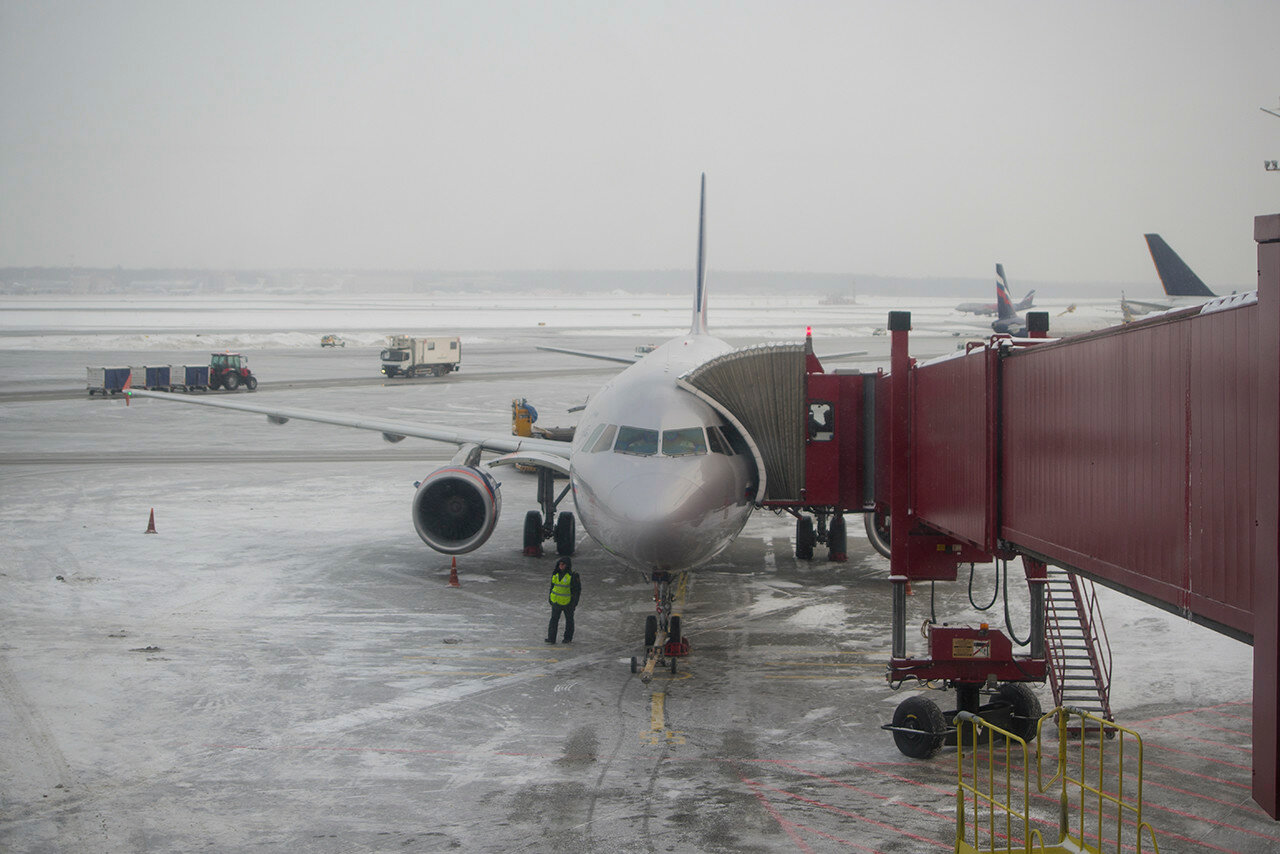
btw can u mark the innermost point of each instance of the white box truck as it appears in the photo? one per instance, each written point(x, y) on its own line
point(406, 356)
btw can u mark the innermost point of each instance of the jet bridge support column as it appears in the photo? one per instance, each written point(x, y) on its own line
point(899, 471)
point(1266, 576)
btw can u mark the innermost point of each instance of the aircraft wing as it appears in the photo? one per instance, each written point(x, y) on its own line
point(625, 360)
point(392, 431)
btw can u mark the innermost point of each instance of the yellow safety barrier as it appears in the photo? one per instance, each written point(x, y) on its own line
point(994, 799)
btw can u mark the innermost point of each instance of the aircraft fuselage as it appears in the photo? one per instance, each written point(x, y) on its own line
point(654, 480)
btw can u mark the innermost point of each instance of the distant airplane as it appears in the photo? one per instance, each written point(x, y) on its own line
point(1180, 282)
point(659, 477)
point(1007, 321)
point(991, 307)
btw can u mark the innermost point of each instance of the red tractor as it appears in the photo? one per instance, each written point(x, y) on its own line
point(230, 371)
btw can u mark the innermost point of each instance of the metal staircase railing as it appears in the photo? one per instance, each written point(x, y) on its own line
point(1077, 643)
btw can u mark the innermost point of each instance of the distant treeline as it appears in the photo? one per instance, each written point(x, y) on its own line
point(178, 282)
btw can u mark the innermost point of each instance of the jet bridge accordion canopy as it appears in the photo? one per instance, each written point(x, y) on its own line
point(762, 388)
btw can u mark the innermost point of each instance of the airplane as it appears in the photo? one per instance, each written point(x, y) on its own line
point(991, 307)
point(1183, 287)
point(658, 477)
point(1008, 321)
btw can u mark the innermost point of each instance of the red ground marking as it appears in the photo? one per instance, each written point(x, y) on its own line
point(1155, 748)
point(853, 815)
point(1185, 773)
point(876, 795)
point(1249, 805)
point(844, 842)
point(775, 815)
point(1211, 709)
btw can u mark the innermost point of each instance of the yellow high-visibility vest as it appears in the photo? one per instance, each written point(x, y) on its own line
point(560, 593)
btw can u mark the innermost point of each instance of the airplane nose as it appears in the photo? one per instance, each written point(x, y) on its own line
point(657, 500)
point(661, 520)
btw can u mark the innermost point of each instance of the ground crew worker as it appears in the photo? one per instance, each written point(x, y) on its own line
point(565, 590)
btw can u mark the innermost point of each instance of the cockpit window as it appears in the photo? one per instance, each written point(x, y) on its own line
point(590, 440)
point(605, 442)
point(637, 440)
point(684, 442)
point(719, 444)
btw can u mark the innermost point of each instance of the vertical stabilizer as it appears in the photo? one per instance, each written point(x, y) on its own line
point(1178, 279)
point(1004, 302)
point(1027, 302)
point(700, 294)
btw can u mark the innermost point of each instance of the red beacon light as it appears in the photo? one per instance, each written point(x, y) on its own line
point(808, 332)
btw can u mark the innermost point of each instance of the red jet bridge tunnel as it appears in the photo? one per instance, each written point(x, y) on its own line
point(1145, 457)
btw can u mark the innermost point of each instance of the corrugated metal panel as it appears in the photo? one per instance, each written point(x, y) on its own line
point(1114, 449)
point(1224, 414)
point(764, 388)
point(952, 466)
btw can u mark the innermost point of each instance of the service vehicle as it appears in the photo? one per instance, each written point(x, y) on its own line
point(230, 371)
point(406, 356)
point(332, 341)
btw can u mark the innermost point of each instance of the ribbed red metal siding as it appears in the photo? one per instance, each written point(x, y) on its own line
point(1224, 417)
point(952, 465)
point(1107, 445)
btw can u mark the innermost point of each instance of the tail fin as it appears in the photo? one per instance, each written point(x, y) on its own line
point(1177, 278)
point(1027, 301)
point(700, 294)
point(1004, 303)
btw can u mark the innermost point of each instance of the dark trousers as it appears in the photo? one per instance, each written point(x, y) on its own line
point(555, 622)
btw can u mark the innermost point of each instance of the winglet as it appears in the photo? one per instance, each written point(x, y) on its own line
point(700, 294)
point(1178, 279)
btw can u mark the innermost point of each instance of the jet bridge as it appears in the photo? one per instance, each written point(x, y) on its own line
point(1145, 457)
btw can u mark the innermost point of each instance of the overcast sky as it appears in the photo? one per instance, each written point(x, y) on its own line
point(910, 138)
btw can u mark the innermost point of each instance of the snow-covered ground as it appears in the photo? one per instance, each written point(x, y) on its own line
point(285, 666)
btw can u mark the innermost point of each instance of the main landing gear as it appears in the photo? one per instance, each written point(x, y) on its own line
point(547, 524)
point(834, 535)
point(664, 641)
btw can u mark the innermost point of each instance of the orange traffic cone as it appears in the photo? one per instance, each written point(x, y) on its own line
point(151, 523)
point(453, 574)
point(910, 592)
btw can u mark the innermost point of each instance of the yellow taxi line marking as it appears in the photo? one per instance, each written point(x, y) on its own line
point(656, 713)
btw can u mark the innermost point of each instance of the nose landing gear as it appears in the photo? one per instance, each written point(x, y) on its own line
point(664, 642)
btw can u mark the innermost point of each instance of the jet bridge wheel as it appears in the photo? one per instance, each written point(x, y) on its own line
point(1024, 708)
point(920, 728)
point(805, 538)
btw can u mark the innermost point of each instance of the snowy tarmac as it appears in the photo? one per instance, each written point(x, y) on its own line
point(284, 666)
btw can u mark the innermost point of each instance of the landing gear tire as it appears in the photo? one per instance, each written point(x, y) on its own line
point(673, 665)
point(635, 665)
point(566, 534)
point(673, 634)
point(837, 539)
point(804, 538)
point(877, 525)
point(533, 532)
point(1024, 708)
point(650, 630)
point(929, 724)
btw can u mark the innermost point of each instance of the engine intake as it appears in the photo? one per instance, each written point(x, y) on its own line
point(456, 508)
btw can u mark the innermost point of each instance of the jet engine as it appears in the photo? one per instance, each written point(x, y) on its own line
point(456, 508)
